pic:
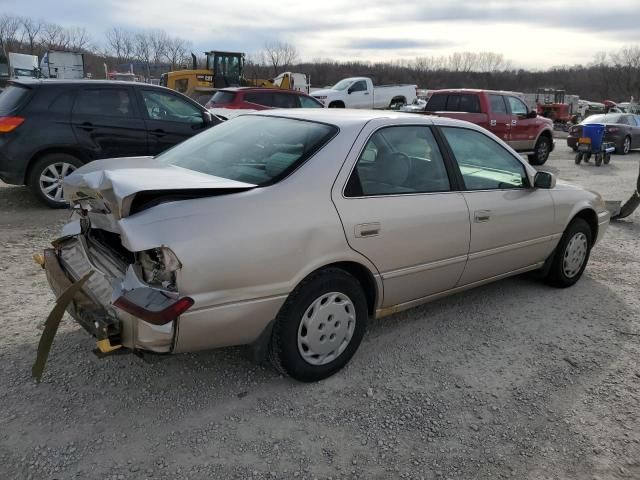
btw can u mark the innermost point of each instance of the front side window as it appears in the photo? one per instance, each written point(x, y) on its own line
point(399, 160)
point(167, 107)
point(517, 106)
point(497, 104)
point(359, 86)
point(308, 102)
point(484, 164)
point(251, 149)
point(110, 102)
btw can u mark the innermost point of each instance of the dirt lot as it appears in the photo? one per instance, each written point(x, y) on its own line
point(512, 380)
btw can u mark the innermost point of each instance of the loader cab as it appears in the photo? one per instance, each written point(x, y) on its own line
point(227, 68)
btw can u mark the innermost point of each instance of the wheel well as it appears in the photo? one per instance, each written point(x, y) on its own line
point(591, 218)
point(395, 99)
point(365, 278)
point(337, 102)
point(37, 156)
point(545, 133)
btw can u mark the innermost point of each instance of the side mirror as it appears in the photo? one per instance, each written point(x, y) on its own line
point(544, 180)
point(207, 118)
point(532, 114)
point(350, 91)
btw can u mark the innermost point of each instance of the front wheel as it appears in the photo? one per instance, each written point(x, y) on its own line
point(320, 326)
point(571, 255)
point(541, 151)
point(46, 177)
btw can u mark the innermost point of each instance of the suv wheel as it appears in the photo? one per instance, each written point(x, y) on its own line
point(320, 326)
point(541, 151)
point(47, 174)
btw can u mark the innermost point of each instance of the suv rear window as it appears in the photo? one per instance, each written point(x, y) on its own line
point(222, 98)
point(437, 102)
point(12, 98)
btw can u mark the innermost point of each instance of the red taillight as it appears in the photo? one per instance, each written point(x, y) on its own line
point(9, 124)
point(612, 129)
point(160, 317)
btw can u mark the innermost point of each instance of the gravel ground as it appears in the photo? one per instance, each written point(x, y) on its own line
point(511, 380)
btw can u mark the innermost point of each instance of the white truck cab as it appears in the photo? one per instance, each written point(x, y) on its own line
point(359, 92)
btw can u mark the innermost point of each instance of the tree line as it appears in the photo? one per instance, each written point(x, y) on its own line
point(610, 75)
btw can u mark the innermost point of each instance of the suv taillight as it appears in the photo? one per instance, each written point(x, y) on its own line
point(9, 124)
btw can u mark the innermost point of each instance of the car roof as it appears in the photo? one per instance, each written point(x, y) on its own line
point(474, 90)
point(55, 81)
point(351, 117)
point(261, 89)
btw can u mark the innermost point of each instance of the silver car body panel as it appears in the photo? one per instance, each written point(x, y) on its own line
point(242, 254)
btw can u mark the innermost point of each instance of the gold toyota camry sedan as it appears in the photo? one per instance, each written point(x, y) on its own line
point(288, 230)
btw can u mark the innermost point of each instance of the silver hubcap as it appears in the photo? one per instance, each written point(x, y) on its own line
point(326, 328)
point(627, 145)
point(51, 180)
point(575, 254)
point(542, 151)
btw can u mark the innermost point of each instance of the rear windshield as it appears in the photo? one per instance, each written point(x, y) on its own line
point(608, 118)
point(251, 149)
point(12, 98)
point(221, 98)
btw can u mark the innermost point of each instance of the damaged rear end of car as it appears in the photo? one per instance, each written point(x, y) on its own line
point(132, 299)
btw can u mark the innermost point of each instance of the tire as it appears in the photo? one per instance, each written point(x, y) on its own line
point(396, 103)
point(598, 159)
point(574, 148)
point(54, 166)
point(336, 105)
point(566, 268)
point(607, 158)
point(625, 146)
point(319, 299)
point(541, 151)
point(578, 158)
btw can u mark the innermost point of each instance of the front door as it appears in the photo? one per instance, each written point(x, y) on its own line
point(499, 118)
point(398, 209)
point(359, 96)
point(169, 119)
point(107, 124)
point(511, 222)
point(523, 130)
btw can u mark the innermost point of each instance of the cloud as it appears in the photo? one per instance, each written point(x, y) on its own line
point(391, 44)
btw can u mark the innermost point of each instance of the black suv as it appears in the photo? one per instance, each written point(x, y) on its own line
point(48, 128)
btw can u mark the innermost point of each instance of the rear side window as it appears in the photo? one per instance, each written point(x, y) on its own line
point(624, 120)
point(222, 98)
point(437, 102)
point(284, 100)
point(463, 103)
point(12, 98)
point(497, 104)
point(62, 103)
point(112, 102)
point(260, 98)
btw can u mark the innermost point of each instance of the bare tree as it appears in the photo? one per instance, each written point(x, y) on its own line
point(158, 40)
point(30, 31)
point(280, 55)
point(176, 51)
point(9, 29)
point(120, 44)
point(144, 51)
point(78, 38)
point(53, 36)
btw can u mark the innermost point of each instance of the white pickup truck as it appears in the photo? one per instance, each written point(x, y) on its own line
point(359, 92)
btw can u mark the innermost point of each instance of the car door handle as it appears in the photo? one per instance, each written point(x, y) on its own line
point(158, 132)
point(514, 122)
point(366, 93)
point(367, 230)
point(493, 123)
point(87, 126)
point(481, 216)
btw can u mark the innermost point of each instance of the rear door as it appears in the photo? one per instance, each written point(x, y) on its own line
point(107, 123)
point(399, 208)
point(499, 117)
point(523, 130)
point(512, 224)
point(169, 118)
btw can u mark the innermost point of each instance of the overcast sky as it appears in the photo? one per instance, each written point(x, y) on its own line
point(531, 33)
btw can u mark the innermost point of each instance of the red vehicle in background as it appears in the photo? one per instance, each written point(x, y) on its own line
point(227, 103)
point(503, 114)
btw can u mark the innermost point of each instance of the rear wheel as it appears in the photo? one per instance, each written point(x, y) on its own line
point(578, 158)
point(46, 177)
point(625, 146)
point(541, 151)
point(598, 159)
point(320, 326)
point(571, 255)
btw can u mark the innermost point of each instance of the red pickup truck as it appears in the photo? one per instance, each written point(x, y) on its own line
point(503, 114)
